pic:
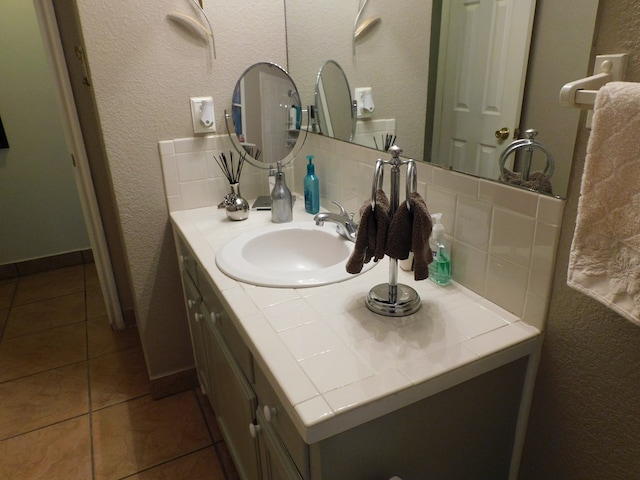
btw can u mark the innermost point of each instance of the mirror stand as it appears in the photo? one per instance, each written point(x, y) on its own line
point(267, 124)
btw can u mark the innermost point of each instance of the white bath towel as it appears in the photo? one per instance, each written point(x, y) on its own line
point(604, 262)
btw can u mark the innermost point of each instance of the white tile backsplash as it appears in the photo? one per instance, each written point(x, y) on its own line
point(506, 284)
point(442, 201)
point(166, 147)
point(550, 210)
point(543, 259)
point(191, 166)
point(458, 182)
point(473, 222)
point(469, 266)
point(512, 236)
point(504, 239)
point(193, 179)
point(515, 199)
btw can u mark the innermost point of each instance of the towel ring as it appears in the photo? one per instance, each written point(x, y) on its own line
point(529, 144)
point(412, 182)
point(378, 178)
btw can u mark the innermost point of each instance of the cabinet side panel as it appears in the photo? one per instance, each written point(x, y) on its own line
point(466, 432)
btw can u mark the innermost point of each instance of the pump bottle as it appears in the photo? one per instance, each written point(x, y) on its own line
point(281, 202)
point(440, 268)
point(311, 189)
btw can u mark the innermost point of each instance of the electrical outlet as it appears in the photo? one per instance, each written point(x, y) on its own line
point(203, 115)
point(364, 99)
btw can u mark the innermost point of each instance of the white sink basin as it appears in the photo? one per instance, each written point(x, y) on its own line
point(297, 254)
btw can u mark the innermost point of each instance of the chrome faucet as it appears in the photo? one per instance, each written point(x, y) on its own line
point(345, 225)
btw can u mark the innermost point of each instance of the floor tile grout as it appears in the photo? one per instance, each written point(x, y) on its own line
point(11, 437)
point(40, 372)
point(105, 347)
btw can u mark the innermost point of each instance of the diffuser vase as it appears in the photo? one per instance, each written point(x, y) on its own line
point(237, 207)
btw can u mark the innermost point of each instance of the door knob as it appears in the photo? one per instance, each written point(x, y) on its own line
point(503, 133)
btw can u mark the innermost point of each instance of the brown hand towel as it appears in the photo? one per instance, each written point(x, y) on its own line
point(539, 181)
point(382, 220)
point(421, 232)
point(399, 238)
point(410, 231)
point(361, 251)
point(372, 233)
point(370, 237)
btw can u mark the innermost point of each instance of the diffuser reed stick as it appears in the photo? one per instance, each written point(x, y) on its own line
point(387, 141)
point(250, 151)
point(230, 169)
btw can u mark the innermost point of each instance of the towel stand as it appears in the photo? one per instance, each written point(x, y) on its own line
point(378, 178)
point(393, 299)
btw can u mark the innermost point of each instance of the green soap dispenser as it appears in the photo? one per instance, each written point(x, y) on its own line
point(311, 188)
point(440, 268)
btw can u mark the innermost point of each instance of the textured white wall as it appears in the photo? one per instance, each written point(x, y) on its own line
point(585, 419)
point(392, 58)
point(39, 207)
point(144, 69)
point(557, 58)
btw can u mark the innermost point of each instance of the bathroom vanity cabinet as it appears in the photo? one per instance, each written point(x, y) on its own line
point(466, 424)
point(230, 380)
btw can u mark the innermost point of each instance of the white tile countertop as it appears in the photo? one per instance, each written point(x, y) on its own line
point(335, 364)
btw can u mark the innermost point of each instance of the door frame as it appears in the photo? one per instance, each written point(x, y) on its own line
point(81, 172)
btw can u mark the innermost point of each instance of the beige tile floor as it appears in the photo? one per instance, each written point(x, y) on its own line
point(74, 395)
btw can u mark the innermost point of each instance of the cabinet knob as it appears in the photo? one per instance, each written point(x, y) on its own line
point(184, 259)
point(198, 316)
point(269, 412)
point(216, 317)
point(191, 303)
point(254, 430)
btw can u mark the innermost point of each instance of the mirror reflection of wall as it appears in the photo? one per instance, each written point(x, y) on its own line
point(394, 58)
point(267, 115)
point(333, 103)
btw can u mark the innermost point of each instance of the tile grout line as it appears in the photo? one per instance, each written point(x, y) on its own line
point(166, 462)
point(13, 297)
point(90, 408)
point(43, 427)
point(45, 299)
point(2, 382)
point(214, 444)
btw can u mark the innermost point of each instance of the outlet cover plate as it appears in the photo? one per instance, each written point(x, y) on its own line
point(359, 97)
point(196, 113)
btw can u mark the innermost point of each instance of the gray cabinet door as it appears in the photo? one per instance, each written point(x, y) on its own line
point(236, 404)
point(275, 461)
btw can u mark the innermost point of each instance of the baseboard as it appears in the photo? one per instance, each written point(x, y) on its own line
point(44, 264)
point(175, 383)
point(129, 318)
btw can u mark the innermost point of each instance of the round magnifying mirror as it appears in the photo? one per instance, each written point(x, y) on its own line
point(334, 106)
point(267, 116)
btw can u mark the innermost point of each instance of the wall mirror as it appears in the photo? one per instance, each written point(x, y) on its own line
point(394, 58)
point(335, 115)
point(267, 116)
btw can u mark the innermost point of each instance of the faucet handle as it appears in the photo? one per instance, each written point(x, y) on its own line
point(343, 212)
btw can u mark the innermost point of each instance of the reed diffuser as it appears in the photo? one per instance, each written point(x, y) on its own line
point(386, 142)
point(237, 208)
